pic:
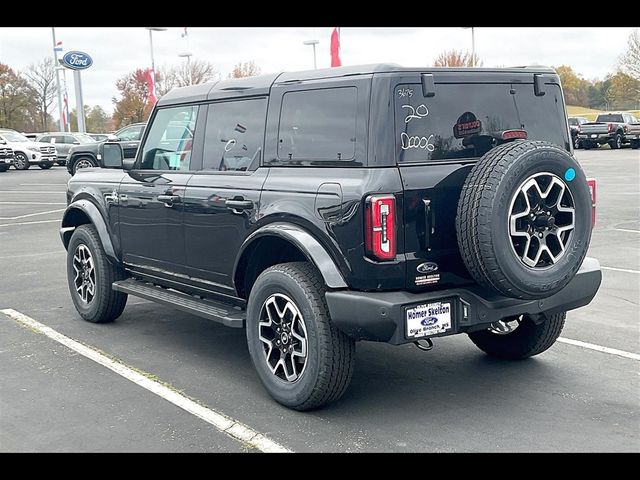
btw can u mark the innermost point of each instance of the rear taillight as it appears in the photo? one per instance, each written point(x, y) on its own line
point(592, 190)
point(611, 127)
point(380, 227)
point(511, 134)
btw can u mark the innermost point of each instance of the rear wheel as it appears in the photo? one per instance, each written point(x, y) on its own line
point(20, 161)
point(635, 144)
point(45, 166)
point(519, 338)
point(616, 143)
point(90, 275)
point(302, 359)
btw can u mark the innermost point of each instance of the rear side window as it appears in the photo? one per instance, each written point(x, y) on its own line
point(235, 134)
point(467, 120)
point(318, 125)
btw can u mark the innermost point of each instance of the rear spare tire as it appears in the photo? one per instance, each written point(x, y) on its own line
point(524, 219)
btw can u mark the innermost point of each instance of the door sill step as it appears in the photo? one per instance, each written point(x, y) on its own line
point(209, 309)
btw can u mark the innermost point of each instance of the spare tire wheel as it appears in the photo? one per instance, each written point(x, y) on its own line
point(524, 219)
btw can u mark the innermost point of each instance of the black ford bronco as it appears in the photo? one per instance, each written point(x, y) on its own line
point(321, 208)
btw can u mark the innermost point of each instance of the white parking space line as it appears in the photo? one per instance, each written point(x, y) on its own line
point(33, 214)
point(625, 230)
point(33, 191)
point(222, 422)
point(29, 223)
point(43, 184)
point(600, 348)
point(33, 203)
point(41, 254)
point(614, 269)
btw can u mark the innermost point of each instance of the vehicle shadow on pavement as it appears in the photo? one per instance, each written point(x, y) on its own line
point(387, 380)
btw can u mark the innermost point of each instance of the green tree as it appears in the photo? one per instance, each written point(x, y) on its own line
point(625, 91)
point(97, 120)
point(14, 100)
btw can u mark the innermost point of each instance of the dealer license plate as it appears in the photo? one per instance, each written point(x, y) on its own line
point(428, 319)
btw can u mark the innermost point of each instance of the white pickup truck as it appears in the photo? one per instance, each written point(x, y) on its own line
point(27, 152)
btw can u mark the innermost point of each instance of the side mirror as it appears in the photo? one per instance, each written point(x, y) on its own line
point(127, 163)
point(111, 155)
point(76, 142)
point(112, 138)
point(2, 142)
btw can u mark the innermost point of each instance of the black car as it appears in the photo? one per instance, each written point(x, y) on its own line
point(86, 154)
point(574, 128)
point(326, 207)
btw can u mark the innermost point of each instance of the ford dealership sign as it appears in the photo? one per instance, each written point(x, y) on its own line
point(77, 60)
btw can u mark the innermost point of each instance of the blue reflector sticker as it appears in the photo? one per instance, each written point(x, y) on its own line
point(570, 174)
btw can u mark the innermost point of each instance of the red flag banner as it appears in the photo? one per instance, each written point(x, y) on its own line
point(152, 87)
point(335, 48)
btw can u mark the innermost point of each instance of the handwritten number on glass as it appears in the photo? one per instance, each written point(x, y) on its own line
point(418, 112)
point(416, 141)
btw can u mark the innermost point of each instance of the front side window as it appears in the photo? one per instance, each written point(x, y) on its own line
point(467, 120)
point(235, 133)
point(318, 125)
point(170, 139)
point(131, 134)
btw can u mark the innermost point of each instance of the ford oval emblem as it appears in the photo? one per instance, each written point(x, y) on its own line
point(427, 267)
point(77, 60)
point(429, 321)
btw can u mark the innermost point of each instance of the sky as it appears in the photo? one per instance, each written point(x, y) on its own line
point(592, 52)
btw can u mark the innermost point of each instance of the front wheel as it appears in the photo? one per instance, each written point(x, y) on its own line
point(83, 162)
point(635, 144)
point(519, 338)
point(90, 275)
point(302, 359)
point(576, 143)
point(45, 166)
point(21, 162)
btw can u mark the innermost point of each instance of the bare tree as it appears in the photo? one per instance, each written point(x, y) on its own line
point(188, 73)
point(457, 58)
point(41, 80)
point(629, 61)
point(245, 69)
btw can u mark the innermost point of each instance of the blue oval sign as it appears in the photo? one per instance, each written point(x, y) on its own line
point(77, 60)
point(427, 322)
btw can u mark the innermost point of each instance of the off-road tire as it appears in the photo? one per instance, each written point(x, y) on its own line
point(107, 304)
point(482, 219)
point(330, 353)
point(527, 340)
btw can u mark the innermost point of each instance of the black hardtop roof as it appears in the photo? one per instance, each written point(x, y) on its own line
point(260, 85)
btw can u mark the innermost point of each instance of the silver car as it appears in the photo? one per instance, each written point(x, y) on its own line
point(64, 141)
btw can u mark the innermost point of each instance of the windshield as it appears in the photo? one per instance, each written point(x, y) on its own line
point(14, 137)
point(85, 138)
point(609, 118)
point(467, 120)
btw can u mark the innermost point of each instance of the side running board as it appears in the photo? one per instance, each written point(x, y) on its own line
point(209, 309)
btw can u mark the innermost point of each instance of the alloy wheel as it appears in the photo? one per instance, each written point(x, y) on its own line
point(85, 273)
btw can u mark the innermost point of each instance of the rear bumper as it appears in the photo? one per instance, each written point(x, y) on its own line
point(380, 316)
point(596, 137)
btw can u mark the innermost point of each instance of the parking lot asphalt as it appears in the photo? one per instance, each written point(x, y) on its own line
point(453, 398)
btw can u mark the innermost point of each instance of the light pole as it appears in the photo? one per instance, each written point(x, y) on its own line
point(473, 46)
point(188, 55)
point(151, 30)
point(313, 43)
point(55, 54)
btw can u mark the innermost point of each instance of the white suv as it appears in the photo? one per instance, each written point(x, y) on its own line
point(27, 152)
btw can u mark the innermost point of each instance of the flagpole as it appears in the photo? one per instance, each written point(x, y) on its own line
point(55, 56)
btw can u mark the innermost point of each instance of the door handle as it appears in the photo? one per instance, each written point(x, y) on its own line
point(169, 200)
point(237, 205)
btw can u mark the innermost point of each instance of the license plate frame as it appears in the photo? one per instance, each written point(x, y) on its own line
point(429, 319)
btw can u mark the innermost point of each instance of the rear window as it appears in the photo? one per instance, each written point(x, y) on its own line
point(318, 125)
point(467, 120)
point(609, 118)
